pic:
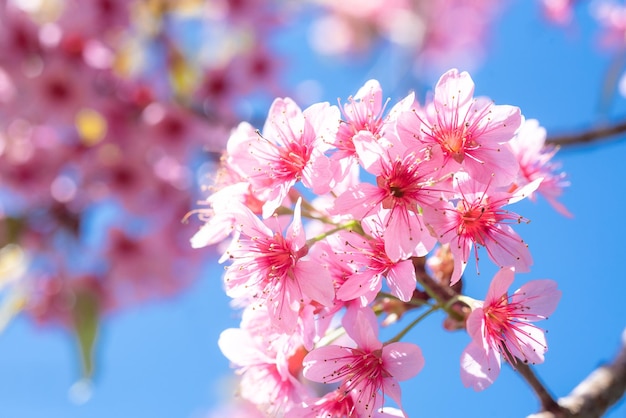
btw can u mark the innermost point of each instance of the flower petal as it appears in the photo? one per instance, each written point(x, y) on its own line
point(320, 364)
point(479, 368)
point(403, 360)
point(540, 296)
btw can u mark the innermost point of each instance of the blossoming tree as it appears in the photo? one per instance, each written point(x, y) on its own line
point(341, 227)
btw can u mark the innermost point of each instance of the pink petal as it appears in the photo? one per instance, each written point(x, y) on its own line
point(502, 123)
point(285, 122)
point(357, 201)
point(454, 89)
point(360, 284)
point(315, 282)
point(479, 368)
point(530, 344)
point(212, 232)
point(295, 232)
point(320, 364)
point(369, 151)
point(236, 345)
point(401, 280)
point(507, 249)
point(494, 166)
point(283, 307)
point(475, 326)
point(402, 360)
point(540, 296)
point(499, 286)
point(372, 95)
point(460, 252)
point(318, 174)
point(392, 388)
point(275, 197)
point(362, 326)
point(322, 123)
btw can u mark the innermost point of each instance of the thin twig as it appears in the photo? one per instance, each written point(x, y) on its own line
point(589, 136)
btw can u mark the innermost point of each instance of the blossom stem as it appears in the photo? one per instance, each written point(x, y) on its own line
point(444, 295)
point(348, 226)
point(416, 321)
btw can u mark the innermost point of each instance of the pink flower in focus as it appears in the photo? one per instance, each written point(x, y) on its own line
point(368, 368)
point(464, 131)
point(534, 161)
point(502, 326)
point(291, 149)
point(477, 219)
point(371, 263)
point(363, 112)
point(334, 404)
point(272, 269)
point(403, 185)
point(268, 361)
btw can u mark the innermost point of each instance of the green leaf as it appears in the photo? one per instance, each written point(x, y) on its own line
point(86, 315)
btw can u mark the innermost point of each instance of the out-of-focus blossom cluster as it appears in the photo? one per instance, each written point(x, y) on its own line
point(108, 108)
point(331, 217)
point(559, 12)
point(432, 32)
point(610, 18)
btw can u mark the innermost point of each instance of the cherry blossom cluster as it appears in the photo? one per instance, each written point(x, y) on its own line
point(326, 218)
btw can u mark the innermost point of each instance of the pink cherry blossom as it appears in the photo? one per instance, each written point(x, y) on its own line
point(534, 159)
point(368, 368)
point(503, 326)
point(465, 131)
point(290, 149)
point(403, 185)
point(477, 219)
point(363, 112)
point(268, 361)
point(334, 404)
point(271, 269)
point(371, 263)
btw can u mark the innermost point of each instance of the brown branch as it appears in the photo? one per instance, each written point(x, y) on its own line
point(596, 394)
point(589, 136)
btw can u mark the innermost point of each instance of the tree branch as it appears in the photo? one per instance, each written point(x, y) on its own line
point(589, 136)
point(596, 394)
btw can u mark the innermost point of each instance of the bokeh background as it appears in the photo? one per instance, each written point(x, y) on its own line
point(156, 91)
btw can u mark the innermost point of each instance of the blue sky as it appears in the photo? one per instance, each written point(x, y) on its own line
point(161, 359)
